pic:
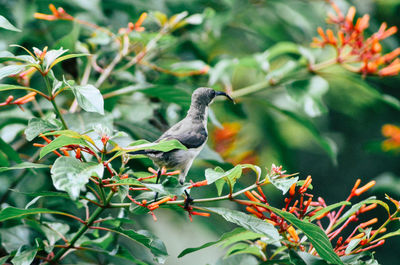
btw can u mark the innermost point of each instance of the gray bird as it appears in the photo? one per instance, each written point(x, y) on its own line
point(190, 132)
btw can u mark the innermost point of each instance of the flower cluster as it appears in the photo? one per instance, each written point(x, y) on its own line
point(392, 133)
point(302, 204)
point(353, 50)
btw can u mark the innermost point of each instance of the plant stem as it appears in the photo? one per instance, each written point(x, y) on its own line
point(53, 102)
point(85, 227)
point(225, 197)
point(251, 89)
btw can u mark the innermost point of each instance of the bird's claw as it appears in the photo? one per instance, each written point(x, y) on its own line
point(188, 201)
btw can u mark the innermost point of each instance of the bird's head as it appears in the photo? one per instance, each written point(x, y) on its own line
point(205, 95)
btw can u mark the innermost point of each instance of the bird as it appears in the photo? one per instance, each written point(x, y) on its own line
point(191, 132)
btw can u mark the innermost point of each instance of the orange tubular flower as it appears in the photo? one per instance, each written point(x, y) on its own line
point(292, 232)
point(353, 48)
point(364, 188)
point(57, 14)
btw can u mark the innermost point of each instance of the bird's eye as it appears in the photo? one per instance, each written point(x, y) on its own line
point(212, 93)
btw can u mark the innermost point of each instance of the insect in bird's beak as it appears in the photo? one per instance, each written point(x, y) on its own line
point(219, 93)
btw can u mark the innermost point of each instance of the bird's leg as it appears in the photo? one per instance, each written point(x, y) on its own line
point(188, 201)
point(157, 180)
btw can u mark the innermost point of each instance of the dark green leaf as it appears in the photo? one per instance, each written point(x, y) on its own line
point(154, 244)
point(16, 213)
point(5, 24)
point(316, 236)
point(24, 165)
point(9, 151)
point(71, 175)
point(238, 234)
point(4, 259)
point(248, 221)
point(327, 144)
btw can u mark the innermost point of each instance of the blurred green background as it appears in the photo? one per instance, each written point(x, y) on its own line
point(230, 36)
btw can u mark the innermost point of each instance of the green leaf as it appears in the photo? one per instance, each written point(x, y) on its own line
point(238, 234)
point(66, 57)
point(4, 259)
point(5, 24)
point(248, 221)
point(213, 175)
point(52, 230)
point(169, 94)
point(282, 184)
point(24, 165)
point(24, 257)
point(154, 244)
point(244, 248)
point(394, 233)
point(16, 213)
point(6, 87)
point(60, 142)
point(282, 48)
point(89, 98)
point(14, 237)
point(170, 186)
point(328, 209)
point(357, 206)
point(11, 70)
point(51, 56)
point(316, 236)
point(37, 126)
point(353, 244)
point(71, 175)
point(9, 151)
point(164, 146)
point(295, 258)
point(228, 177)
point(307, 94)
point(327, 144)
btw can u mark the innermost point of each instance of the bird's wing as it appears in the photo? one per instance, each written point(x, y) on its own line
point(190, 135)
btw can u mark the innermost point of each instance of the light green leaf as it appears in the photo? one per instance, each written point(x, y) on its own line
point(66, 57)
point(283, 184)
point(53, 231)
point(89, 98)
point(24, 257)
point(11, 70)
point(236, 235)
point(308, 94)
point(5, 24)
point(24, 165)
point(163, 146)
point(353, 244)
point(244, 248)
point(70, 175)
point(248, 221)
point(218, 175)
point(328, 209)
point(37, 126)
point(60, 142)
point(51, 56)
point(14, 237)
point(6, 87)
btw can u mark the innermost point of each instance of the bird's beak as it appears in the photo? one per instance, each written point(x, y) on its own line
point(219, 93)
